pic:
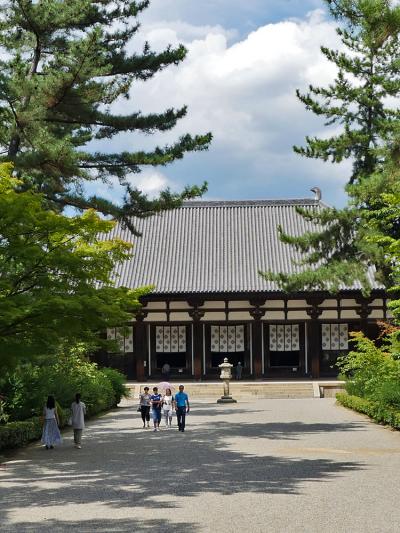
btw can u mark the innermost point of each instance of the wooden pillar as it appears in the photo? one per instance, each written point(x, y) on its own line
point(363, 312)
point(314, 338)
point(140, 345)
point(257, 331)
point(197, 315)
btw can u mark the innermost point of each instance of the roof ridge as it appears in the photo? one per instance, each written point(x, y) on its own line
point(245, 203)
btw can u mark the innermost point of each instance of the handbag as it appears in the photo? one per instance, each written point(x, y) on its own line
point(139, 409)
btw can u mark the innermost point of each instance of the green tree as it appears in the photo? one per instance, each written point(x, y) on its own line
point(339, 251)
point(55, 271)
point(64, 63)
point(367, 75)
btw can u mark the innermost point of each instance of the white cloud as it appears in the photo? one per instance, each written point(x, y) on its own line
point(150, 182)
point(245, 94)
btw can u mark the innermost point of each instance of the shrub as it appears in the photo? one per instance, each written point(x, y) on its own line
point(371, 372)
point(26, 390)
point(378, 411)
point(117, 381)
point(16, 434)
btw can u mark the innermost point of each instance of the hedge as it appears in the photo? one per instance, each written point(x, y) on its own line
point(16, 434)
point(379, 412)
point(20, 433)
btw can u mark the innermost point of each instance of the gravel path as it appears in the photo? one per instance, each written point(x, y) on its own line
point(267, 466)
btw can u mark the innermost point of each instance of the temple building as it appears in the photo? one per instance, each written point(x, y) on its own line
point(209, 300)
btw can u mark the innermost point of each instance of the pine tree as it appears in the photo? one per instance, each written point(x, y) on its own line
point(63, 64)
point(368, 74)
point(340, 251)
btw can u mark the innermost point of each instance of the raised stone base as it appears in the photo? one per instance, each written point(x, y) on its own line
point(226, 399)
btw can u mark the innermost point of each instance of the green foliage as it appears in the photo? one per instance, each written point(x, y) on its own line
point(27, 388)
point(15, 434)
point(373, 377)
point(368, 368)
point(55, 276)
point(380, 412)
point(344, 243)
point(368, 73)
point(63, 64)
point(117, 381)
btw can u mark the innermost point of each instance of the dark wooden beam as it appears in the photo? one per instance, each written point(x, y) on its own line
point(197, 315)
point(314, 337)
point(139, 335)
point(257, 314)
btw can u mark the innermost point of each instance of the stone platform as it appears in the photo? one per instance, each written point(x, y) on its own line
point(251, 390)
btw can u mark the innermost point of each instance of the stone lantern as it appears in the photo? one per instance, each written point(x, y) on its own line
point(226, 376)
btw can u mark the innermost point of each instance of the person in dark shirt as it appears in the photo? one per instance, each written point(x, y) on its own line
point(156, 403)
point(182, 407)
point(239, 369)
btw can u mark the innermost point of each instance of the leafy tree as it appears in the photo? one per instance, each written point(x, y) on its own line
point(368, 74)
point(339, 250)
point(55, 271)
point(64, 63)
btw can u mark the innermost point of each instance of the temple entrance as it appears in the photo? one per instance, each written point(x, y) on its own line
point(284, 350)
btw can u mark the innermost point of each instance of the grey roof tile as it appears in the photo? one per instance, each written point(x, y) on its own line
point(215, 247)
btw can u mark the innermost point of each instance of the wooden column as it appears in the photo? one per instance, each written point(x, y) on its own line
point(197, 315)
point(363, 312)
point(257, 331)
point(140, 350)
point(314, 338)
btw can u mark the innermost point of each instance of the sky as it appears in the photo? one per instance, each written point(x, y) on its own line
point(246, 58)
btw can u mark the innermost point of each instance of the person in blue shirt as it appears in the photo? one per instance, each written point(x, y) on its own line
point(182, 407)
point(156, 403)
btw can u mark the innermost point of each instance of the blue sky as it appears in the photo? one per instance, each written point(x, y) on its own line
point(245, 61)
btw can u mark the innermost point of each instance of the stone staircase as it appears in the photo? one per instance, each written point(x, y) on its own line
point(243, 390)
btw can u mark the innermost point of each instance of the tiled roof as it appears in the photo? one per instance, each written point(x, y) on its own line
point(215, 246)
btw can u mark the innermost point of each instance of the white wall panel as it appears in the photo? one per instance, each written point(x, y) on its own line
point(240, 315)
point(214, 315)
point(241, 304)
point(329, 303)
point(347, 314)
point(179, 317)
point(156, 317)
point(211, 304)
point(274, 304)
point(298, 315)
point(274, 315)
point(297, 303)
point(179, 305)
point(326, 315)
point(156, 305)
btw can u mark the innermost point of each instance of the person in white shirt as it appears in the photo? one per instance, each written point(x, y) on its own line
point(168, 406)
point(78, 411)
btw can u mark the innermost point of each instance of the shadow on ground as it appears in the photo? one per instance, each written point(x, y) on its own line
point(125, 469)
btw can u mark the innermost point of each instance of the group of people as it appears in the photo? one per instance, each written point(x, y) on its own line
point(164, 405)
point(51, 431)
point(158, 404)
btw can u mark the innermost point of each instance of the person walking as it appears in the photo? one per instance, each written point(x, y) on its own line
point(156, 403)
point(182, 407)
point(239, 369)
point(145, 402)
point(78, 410)
point(51, 432)
point(168, 405)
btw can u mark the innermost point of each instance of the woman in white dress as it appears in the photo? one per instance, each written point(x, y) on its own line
point(168, 407)
point(51, 433)
point(78, 411)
